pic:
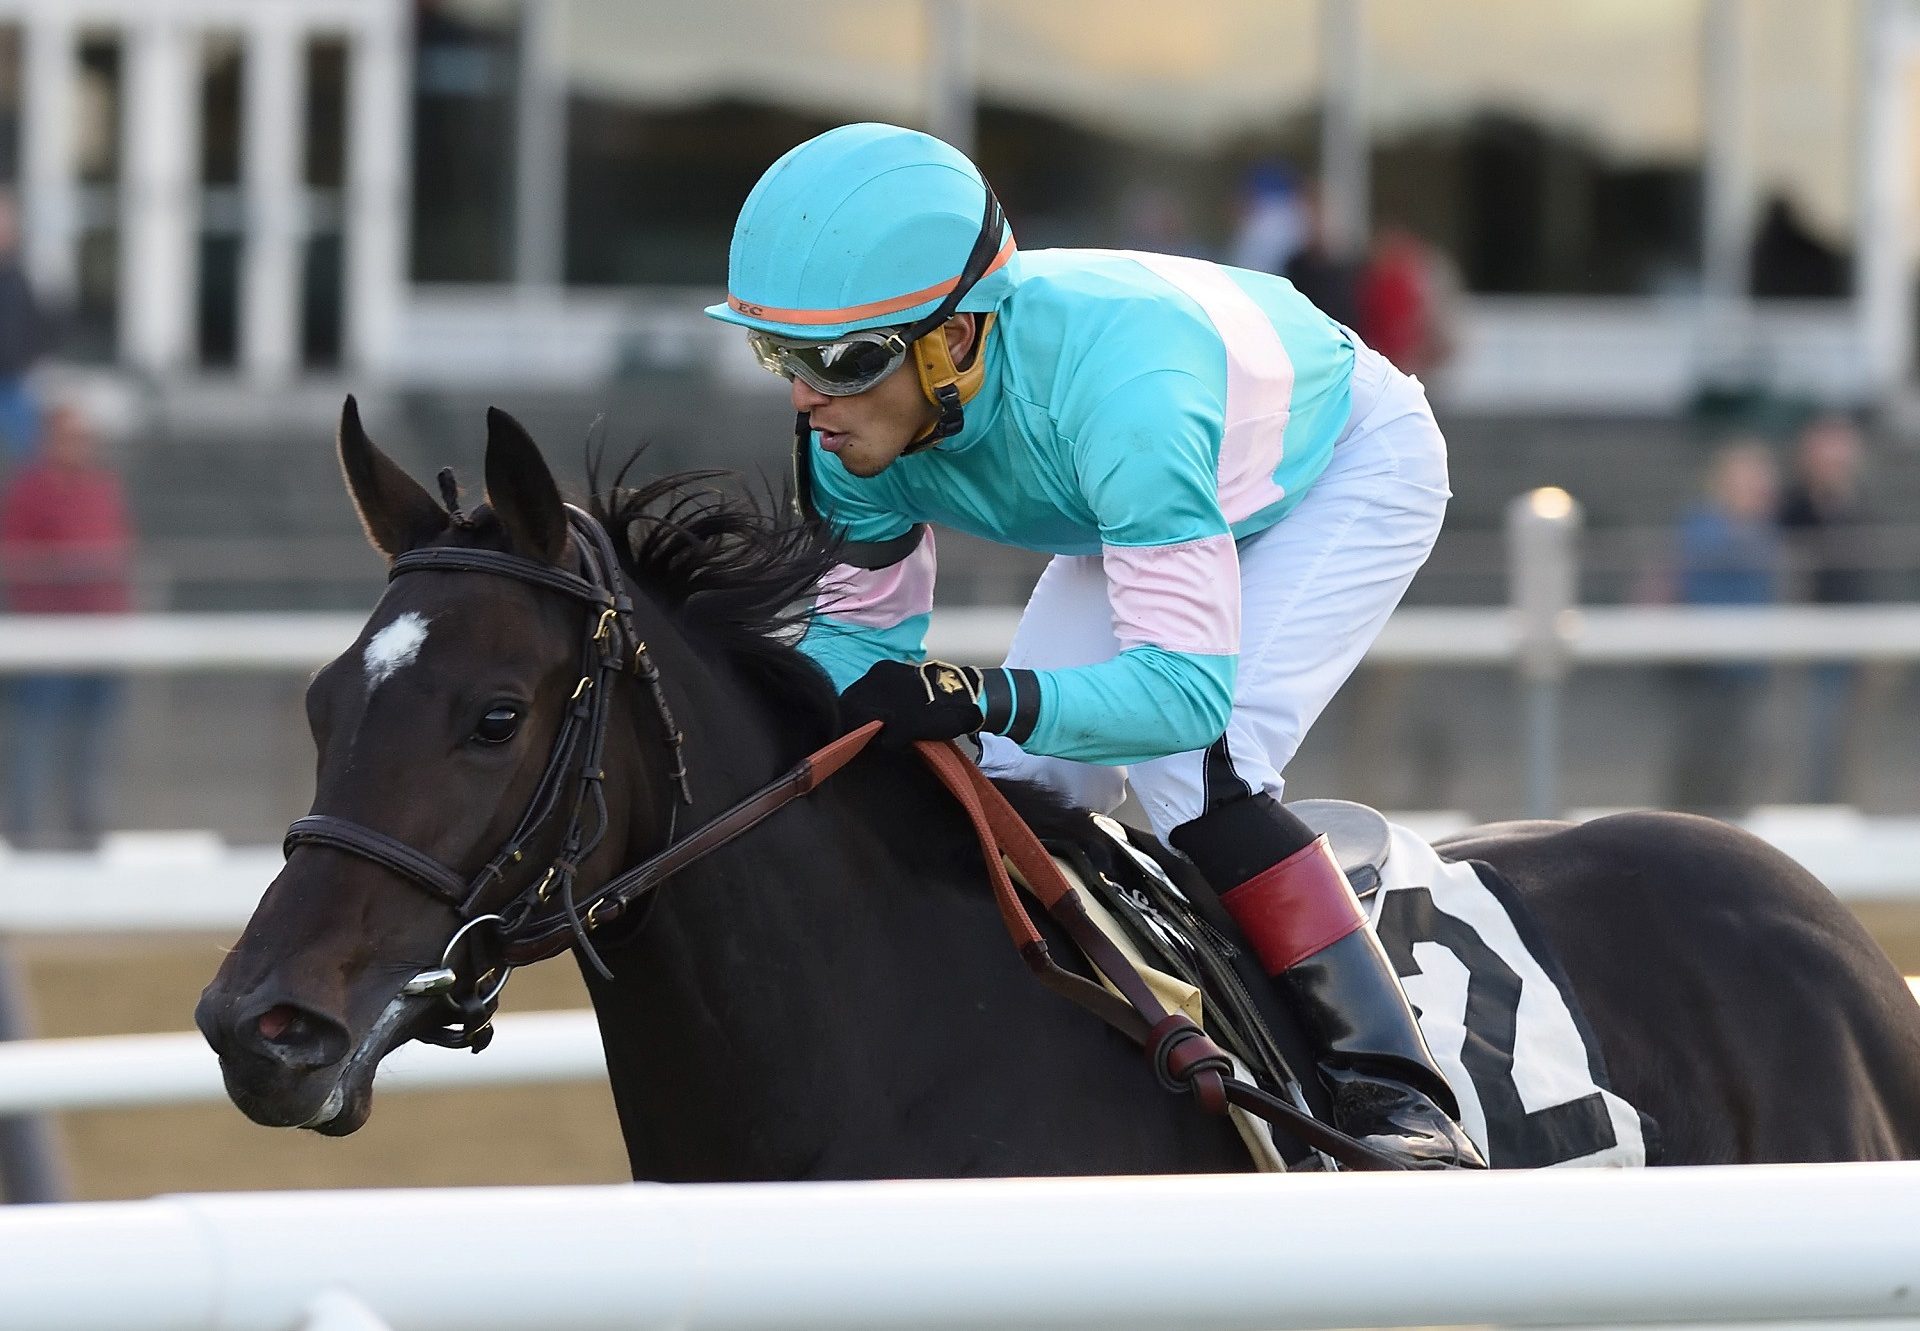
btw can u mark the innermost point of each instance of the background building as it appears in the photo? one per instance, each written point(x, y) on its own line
point(1642, 197)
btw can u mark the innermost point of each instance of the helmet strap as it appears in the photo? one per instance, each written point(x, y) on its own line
point(947, 386)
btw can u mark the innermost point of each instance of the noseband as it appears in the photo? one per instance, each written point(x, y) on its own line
point(529, 920)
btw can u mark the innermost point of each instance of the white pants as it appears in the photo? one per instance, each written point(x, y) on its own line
point(1315, 589)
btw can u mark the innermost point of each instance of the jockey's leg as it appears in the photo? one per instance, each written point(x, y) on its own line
point(1315, 591)
point(1284, 888)
point(1067, 623)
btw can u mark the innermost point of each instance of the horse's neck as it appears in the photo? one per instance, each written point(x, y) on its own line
point(775, 973)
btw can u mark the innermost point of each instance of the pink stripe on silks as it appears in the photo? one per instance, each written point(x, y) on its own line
point(879, 598)
point(1185, 597)
point(1259, 381)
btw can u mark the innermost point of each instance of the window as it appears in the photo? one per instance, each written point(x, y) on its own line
point(98, 113)
point(1801, 117)
point(222, 207)
point(673, 113)
point(1130, 123)
point(465, 53)
point(1557, 156)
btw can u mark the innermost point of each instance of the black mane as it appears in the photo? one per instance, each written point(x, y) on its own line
point(738, 573)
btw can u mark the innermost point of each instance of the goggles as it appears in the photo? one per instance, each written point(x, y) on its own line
point(856, 362)
point(841, 368)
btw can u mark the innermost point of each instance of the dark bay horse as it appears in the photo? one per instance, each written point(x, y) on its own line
point(832, 995)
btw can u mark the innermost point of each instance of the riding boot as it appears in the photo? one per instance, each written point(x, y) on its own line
point(1287, 892)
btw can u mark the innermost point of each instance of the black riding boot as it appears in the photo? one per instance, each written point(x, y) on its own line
point(1288, 894)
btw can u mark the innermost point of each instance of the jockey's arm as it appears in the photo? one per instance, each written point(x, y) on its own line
point(1146, 465)
point(863, 616)
point(1146, 459)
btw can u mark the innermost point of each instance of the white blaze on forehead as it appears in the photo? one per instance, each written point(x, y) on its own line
point(394, 646)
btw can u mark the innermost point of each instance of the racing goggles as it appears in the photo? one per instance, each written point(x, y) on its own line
point(840, 368)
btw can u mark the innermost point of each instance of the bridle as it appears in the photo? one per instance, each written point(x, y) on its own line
point(546, 910)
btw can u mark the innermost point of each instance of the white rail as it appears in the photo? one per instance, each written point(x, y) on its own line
point(187, 882)
point(126, 1071)
point(1418, 635)
point(1685, 1246)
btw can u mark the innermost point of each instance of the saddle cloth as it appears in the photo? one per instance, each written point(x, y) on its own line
point(1497, 1012)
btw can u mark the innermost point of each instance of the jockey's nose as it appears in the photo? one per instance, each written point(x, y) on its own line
point(806, 397)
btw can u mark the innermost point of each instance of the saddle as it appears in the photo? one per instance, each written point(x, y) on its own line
point(1190, 952)
point(1503, 1020)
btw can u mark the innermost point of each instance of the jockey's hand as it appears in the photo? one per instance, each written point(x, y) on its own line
point(932, 700)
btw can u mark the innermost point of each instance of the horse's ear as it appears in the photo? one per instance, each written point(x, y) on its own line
point(396, 511)
point(522, 492)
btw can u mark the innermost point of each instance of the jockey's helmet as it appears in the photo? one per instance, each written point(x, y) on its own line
point(853, 248)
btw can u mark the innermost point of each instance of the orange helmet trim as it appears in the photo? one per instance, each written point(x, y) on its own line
point(871, 310)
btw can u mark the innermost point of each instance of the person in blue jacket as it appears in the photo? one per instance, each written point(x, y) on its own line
point(1236, 492)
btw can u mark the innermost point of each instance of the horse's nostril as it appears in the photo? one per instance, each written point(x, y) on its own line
point(295, 1037)
point(276, 1022)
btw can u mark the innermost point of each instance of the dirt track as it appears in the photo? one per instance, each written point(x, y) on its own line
point(564, 1134)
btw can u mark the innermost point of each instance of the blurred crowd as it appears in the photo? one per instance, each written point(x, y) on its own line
point(66, 548)
point(1397, 291)
point(1764, 534)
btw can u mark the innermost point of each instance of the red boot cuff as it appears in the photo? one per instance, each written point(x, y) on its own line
point(1296, 908)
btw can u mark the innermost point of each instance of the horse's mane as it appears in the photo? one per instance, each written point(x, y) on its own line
point(737, 572)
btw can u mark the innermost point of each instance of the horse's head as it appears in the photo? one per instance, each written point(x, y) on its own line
point(434, 732)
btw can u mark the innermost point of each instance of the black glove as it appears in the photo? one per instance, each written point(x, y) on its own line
point(932, 700)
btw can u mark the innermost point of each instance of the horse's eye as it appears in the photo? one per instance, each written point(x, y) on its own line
point(498, 725)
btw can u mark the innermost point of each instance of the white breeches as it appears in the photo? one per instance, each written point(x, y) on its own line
point(1315, 589)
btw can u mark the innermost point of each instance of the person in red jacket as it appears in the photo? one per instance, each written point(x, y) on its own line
point(66, 548)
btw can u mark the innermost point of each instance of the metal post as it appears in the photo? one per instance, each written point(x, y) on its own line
point(30, 1169)
point(379, 129)
point(1728, 187)
point(158, 254)
point(1883, 295)
point(540, 149)
point(950, 28)
point(271, 135)
point(1344, 167)
point(51, 238)
point(1543, 527)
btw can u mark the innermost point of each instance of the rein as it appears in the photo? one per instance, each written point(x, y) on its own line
point(1182, 1055)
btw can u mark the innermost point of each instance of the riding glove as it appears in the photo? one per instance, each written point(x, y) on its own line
point(928, 700)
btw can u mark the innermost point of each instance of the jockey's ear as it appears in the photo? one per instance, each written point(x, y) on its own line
point(395, 509)
point(522, 492)
point(961, 331)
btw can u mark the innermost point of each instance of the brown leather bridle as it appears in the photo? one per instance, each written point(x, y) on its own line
point(547, 907)
point(546, 917)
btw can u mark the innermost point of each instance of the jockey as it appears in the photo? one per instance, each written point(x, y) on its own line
point(1235, 490)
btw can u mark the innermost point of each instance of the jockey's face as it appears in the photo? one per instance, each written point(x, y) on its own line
point(868, 431)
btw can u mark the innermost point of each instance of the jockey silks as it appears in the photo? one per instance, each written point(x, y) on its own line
point(1147, 409)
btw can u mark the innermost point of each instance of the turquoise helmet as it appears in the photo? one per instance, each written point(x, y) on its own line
point(865, 226)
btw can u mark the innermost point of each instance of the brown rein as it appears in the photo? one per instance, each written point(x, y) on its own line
point(1182, 1055)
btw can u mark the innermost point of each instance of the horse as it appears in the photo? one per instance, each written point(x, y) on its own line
point(831, 995)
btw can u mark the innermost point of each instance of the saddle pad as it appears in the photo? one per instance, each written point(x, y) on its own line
point(1499, 1016)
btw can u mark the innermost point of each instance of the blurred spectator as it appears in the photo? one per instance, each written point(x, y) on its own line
point(1274, 224)
point(1730, 553)
point(1406, 302)
point(66, 547)
point(1789, 260)
point(1157, 219)
point(25, 336)
point(1825, 516)
point(1321, 272)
